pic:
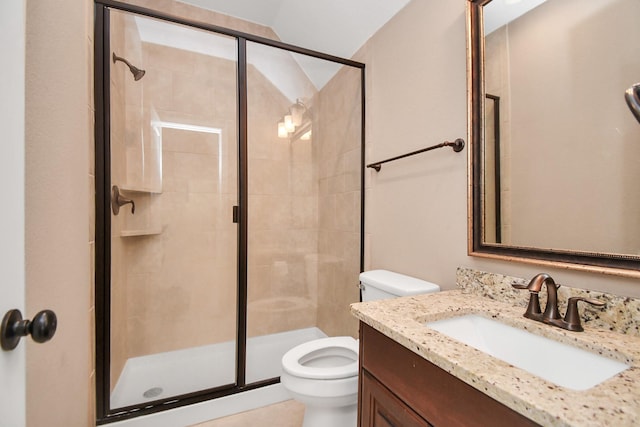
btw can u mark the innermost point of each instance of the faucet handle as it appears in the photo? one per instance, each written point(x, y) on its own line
point(572, 317)
point(533, 308)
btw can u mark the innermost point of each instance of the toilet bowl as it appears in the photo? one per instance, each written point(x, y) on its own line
point(323, 374)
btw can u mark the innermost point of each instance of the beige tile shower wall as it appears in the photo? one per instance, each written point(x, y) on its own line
point(193, 13)
point(137, 169)
point(283, 220)
point(181, 283)
point(157, 298)
point(337, 137)
point(284, 185)
point(118, 87)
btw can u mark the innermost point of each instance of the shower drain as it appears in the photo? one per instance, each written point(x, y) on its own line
point(153, 392)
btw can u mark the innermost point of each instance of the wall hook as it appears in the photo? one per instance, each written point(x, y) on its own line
point(118, 200)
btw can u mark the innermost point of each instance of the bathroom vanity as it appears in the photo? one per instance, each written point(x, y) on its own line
point(413, 375)
point(400, 388)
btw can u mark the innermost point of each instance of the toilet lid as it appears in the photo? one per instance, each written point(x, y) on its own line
point(325, 358)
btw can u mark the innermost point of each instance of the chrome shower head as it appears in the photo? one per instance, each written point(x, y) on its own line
point(137, 72)
point(632, 95)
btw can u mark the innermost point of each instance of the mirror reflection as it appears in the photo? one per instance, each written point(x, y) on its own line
point(561, 153)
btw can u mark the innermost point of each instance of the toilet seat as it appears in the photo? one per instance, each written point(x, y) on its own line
point(293, 362)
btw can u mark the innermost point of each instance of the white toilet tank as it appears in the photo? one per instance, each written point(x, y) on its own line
point(383, 284)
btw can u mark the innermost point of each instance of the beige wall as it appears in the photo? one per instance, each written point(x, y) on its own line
point(337, 138)
point(416, 223)
point(59, 202)
point(416, 96)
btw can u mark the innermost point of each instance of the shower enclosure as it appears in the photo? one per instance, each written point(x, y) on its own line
point(228, 207)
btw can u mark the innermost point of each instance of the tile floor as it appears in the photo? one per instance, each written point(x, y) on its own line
point(286, 414)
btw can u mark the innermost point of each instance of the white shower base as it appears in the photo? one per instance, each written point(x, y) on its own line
point(199, 368)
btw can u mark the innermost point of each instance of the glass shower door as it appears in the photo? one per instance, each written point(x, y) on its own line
point(174, 185)
point(304, 202)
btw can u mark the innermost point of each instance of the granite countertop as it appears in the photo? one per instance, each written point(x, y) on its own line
point(614, 402)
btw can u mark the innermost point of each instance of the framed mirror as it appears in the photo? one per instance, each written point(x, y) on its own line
point(554, 173)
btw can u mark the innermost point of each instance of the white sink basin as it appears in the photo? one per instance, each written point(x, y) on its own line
point(559, 363)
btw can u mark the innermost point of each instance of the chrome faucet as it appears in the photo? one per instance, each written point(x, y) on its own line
point(551, 313)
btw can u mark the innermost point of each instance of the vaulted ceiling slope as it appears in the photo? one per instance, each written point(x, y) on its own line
point(336, 27)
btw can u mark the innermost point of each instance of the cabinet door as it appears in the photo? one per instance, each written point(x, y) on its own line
point(428, 390)
point(381, 408)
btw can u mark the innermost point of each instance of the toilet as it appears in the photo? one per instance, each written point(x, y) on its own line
point(323, 373)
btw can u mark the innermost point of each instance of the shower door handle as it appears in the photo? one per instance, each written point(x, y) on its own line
point(236, 214)
point(42, 328)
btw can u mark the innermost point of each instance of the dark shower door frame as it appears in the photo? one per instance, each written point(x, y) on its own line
point(497, 176)
point(104, 413)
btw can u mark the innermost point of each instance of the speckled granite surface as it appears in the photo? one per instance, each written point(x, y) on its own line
point(614, 402)
point(620, 314)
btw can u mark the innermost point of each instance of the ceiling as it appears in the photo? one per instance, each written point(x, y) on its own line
point(501, 12)
point(336, 27)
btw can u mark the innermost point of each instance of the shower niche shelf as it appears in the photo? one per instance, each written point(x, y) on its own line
point(140, 189)
point(141, 232)
point(145, 221)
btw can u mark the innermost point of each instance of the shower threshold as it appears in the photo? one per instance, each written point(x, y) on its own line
point(147, 378)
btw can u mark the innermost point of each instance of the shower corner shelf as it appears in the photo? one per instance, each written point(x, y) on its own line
point(140, 223)
point(143, 232)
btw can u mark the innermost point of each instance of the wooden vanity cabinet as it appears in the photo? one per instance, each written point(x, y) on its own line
point(398, 388)
point(379, 407)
